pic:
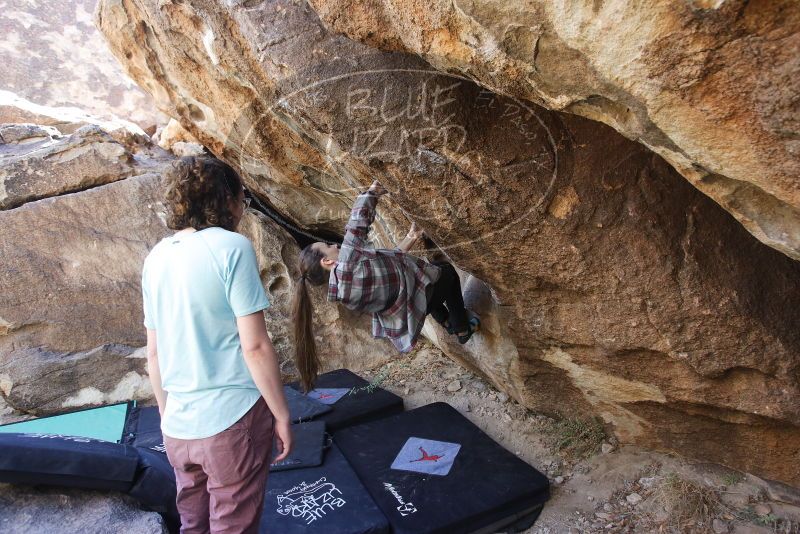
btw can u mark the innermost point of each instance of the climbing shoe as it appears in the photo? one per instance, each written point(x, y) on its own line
point(474, 326)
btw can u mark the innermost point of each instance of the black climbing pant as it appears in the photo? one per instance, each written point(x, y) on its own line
point(446, 303)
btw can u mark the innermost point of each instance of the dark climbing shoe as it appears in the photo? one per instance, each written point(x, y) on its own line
point(474, 326)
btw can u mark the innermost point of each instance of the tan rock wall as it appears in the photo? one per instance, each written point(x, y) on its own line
point(36, 163)
point(69, 274)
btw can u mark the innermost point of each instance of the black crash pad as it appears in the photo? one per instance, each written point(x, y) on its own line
point(155, 487)
point(301, 407)
point(326, 499)
point(143, 430)
point(433, 471)
point(308, 446)
point(59, 460)
point(363, 401)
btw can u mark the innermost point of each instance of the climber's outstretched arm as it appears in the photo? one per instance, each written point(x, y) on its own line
point(362, 215)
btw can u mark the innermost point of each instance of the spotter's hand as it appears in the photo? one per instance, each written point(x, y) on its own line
point(283, 440)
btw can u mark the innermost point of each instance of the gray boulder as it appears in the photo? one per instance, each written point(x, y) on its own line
point(26, 510)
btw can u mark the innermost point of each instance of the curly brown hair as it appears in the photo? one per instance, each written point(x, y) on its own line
point(198, 190)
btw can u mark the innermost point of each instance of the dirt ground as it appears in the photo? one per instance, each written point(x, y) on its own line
point(596, 485)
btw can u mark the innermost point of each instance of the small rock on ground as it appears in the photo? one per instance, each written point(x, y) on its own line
point(762, 509)
point(478, 385)
point(647, 482)
point(454, 386)
point(634, 498)
point(719, 526)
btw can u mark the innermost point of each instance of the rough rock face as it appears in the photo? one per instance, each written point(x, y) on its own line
point(38, 162)
point(70, 269)
point(72, 511)
point(70, 262)
point(53, 55)
point(711, 86)
point(70, 301)
point(172, 134)
point(607, 283)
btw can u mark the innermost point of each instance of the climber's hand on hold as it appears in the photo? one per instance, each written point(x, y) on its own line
point(415, 232)
point(411, 237)
point(377, 188)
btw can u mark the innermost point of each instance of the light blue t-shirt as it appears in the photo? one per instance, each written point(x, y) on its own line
point(194, 285)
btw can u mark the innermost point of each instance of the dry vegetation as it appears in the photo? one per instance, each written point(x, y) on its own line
point(679, 504)
point(683, 505)
point(577, 438)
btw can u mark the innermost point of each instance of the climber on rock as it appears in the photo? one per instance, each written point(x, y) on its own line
point(399, 289)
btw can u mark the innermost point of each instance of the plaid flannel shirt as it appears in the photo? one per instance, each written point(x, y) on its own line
point(390, 284)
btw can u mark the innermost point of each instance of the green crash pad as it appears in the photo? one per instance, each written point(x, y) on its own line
point(105, 423)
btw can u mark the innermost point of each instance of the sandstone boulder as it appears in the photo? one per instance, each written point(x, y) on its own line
point(607, 283)
point(26, 133)
point(70, 302)
point(37, 381)
point(37, 162)
point(173, 133)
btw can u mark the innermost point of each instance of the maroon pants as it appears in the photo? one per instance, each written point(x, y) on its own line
point(221, 479)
